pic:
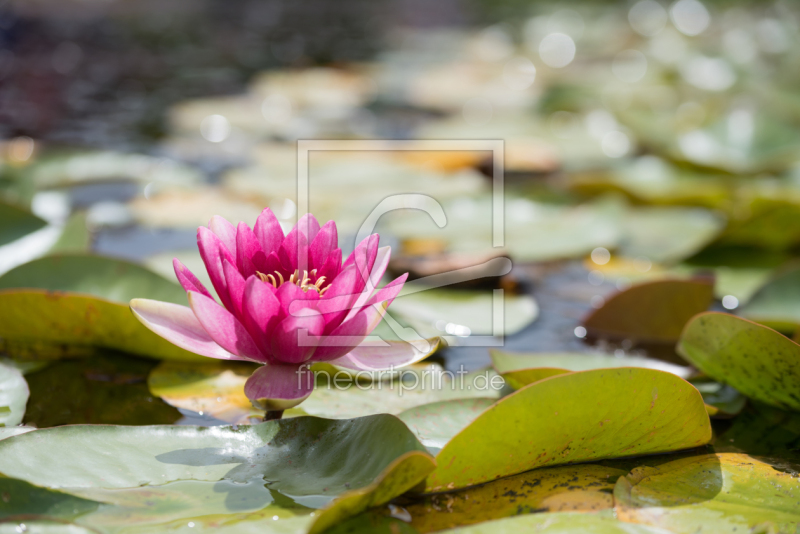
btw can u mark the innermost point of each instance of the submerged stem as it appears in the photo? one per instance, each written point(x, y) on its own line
point(272, 415)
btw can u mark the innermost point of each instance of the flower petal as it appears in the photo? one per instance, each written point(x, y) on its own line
point(332, 267)
point(225, 231)
point(323, 244)
point(371, 357)
point(297, 336)
point(235, 283)
point(187, 279)
point(178, 325)
point(268, 231)
point(347, 336)
point(261, 313)
point(224, 328)
point(388, 292)
point(294, 249)
point(247, 249)
point(279, 387)
point(373, 278)
point(364, 253)
point(212, 250)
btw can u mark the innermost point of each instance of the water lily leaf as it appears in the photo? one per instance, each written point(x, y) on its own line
point(82, 301)
point(652, 312)
point(436, 423)
point(583, 488)
point(576, 417)
point(557, 523)
point(756, 360)
point(214, 388)
point(775, 304)
point(16, 222)
point(764, 431)
point(454, 314)
point(21, 498)
point(44, 527)
point(104, 389)
point(75, 236)
point(13, 396)
point(365, 462)
point(667, 235)
point(734, 492)
point(521, 369)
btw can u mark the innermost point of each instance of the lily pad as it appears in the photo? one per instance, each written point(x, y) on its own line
point(81, 301)
point(654, 312)
point(21, 498)
point(16, 222)
point(13, 396)
point(363, 462)
point(732, 492)
point(457, 314)
point(721, 401)
point(777, 303)
point(557, 523)
point(521, 369)
point(576, 417)
point(756, 360)
point(578, 488)
point(436, 423)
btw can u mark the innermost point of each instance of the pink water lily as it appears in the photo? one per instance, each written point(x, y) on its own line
point(284, 301)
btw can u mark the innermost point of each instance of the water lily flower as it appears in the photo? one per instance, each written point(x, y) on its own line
point(284, 302)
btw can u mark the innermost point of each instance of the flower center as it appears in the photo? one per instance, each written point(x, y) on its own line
point(303, 282)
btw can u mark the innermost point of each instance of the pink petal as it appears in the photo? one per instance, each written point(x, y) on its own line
point(369, 357)
point(247, 247)
point(289, 294)
point(212, 250)
point(347, 336)
point(388, 292)
point(279, 387)
point(261, 313)
point(373, 278)
point(308, 226)
point(178, 325)
point(235, 283)
point(332, 267)
point(294, 251)
point(337, 300)
point(224, 328)
point(188, 280)
point(225, 231)
point(296, 337)
point(323, 244)
point(268, 231)
point(364, 253)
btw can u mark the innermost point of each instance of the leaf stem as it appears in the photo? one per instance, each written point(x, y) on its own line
point(272, 415)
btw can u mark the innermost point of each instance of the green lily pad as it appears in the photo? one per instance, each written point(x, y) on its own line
point(756, 360)
point(557, 523)
point(61, 303)
point(763, 431)
point(777, 303)
point(575, 417)
point(581, 488)
point(721, 401)
point(732, 492)
point(651, 312)
point(21, 498)
point(436, 423)
point(10, 431)
point(16, 222)
point(104, 389)
point(458, 314)
point(667, 235)
point(13, 396)
point(352, 465)
point(521, 369)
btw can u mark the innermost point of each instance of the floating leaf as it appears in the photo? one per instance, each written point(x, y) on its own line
point(576, 417)
point(762, 430)
point(557, 523)
point(521, 369)
point(721, 401)
point(13, 396)
point(732, 492)
point(104, 389)
point(754, 359)
point(82, 301)
point(21, 498)
point(365, 462)
point(16, 222)
point(652, 312)
point(458, 313)
point(777, 303)
point(436, 423)
point(10, 431)
point(583, 488)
